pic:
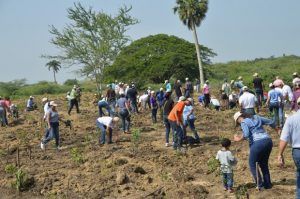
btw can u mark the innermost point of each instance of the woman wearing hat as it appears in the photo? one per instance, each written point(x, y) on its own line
point(260, 145)
point(52, 119)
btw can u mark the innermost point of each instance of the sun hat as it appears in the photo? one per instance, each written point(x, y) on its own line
point(31, 97)
point(295, 74)
point(271, 85)
point(161, 89)
point(182, 98)
point(115, 119)
point(236, 116)
point(45, 99)
point(240, 78)
point(52, 103)
point(255, 74)
point(152, 92)
point(245, 88)
point(232, 81)
point(186, 78)
point(190, 100)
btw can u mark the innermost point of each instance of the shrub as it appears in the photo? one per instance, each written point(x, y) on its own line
point(77, 156)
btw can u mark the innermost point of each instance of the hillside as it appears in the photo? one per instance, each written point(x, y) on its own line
point(132, 167)
point(268, 68)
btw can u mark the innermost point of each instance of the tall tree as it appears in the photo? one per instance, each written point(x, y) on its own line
point(92, 40)
point(54, 65)
point(192, 13)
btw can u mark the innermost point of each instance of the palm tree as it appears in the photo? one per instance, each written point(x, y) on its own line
point(54, 65)
point(192, 13)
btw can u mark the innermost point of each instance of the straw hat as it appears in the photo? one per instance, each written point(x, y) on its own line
point(45, 99)
point(255, 74)
point(52, 103)
point(236, 116)
point(182, 98)
point(115, 119)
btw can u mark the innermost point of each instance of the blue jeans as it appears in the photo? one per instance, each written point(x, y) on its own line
point(112, 105)
point(296, 157)
point(249, 111)
point(168, 127)
point(125, 117)
point(227, 180)
point(51, 133)
point(277, 110)
point(191, 124)
point(260, 96)
point(104, 104)
point(260, 152)
point(178, 134)
point(153, 115)
point(103, 133)
point(2, 116)
point(133, 105)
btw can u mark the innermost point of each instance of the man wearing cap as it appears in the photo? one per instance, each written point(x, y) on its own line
point(167, 107)
point(31, 105)
point(178, 89)
point(175, 119)
point(106, 123)
point(247, 101)
point(296, 78)
point(258, 86)
point(52, 119)
point(46, 104)
point(73, 100)
point(291, 134)
point(274, 101)
point(188, 88)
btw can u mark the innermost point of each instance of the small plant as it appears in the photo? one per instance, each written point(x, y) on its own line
point(213, 164)
point(21, 181)
point(136, 135)
point(77, 156)
point(10, 169)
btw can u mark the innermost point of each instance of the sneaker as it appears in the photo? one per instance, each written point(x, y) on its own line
point(167, 145)
point(42, 146)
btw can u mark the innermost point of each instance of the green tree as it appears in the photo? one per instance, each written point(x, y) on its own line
point(54, 65)
point(92, 40)
point(155, 58)
point(192, 13)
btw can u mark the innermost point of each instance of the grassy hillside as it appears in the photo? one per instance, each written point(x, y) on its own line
point(268, 69)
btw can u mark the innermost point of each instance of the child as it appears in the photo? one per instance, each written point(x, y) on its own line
point(226, 160)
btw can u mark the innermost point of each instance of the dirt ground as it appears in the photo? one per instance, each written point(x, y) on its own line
point(126, 169)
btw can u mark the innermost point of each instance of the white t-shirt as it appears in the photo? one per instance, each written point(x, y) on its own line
point(281, 91)
point(107, 121)
point(215, 102)
point(247, 100)
point(226, 160)
point(143, 98)
point(287, 92)
point(46, 109)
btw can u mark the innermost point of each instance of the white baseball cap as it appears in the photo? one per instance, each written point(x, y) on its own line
point(182, 98)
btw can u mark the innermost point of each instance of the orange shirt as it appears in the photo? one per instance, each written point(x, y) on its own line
point(179, 109)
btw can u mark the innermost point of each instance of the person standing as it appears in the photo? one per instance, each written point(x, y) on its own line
point(189, 120)
point(226, 90)
point(260, 145)
point(111, 98)
point(123, 110)
point(160, 96)
point(233, 99)
point(258, 86)
point(3, 112)
point(274, 101)
point(167, 107)
point(247, 101)
point(168, 85)
point(52, 118)
point(106, 124)
point(73, 100)
point(227, 161)
point(188, 88)
point(206, 93)
point(296, 95)
point(178, 89)
point(291, 134)
point(197, 85)
point(175, 119)
point(132, 97)
point(154, 107)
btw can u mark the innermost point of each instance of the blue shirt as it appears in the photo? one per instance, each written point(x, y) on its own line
point(30, 103)
point(186, 111)
point(253, 128)
point(274, 96)
point(291, 130)
point(160, 97)
point(168, 86)
point(121, 103)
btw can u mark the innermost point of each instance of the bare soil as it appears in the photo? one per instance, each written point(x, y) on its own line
point(124, 170)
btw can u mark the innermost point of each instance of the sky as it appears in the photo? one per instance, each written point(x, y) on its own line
point(234, 29)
